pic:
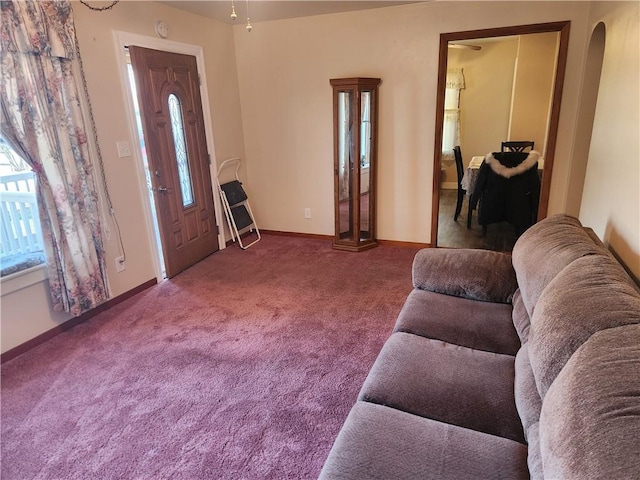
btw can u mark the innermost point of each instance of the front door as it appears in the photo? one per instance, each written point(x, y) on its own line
point(171, 110)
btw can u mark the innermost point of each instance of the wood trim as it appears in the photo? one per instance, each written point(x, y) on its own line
point(563, 29)
point(297, 234)
point(561, 65)
point(397, 243)
point(69, 324)
point(508, 31)
point(437, 153)
point(390, 243)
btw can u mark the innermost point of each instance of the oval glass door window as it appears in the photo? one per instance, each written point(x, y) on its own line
point(175, 113)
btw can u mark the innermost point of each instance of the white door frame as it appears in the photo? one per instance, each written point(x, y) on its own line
point(124, 39)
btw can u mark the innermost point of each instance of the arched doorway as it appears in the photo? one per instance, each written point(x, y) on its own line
point(592, 72)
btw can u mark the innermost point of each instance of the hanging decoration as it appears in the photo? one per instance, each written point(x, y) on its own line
point(233, 15)
point(100, 9)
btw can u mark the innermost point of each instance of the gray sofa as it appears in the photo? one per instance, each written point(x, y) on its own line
point(505, 366)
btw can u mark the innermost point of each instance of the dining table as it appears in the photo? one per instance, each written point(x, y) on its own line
point(470, 177)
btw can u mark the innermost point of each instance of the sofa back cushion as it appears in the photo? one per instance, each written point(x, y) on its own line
point(468, 273)
point(520, 317)
point(591, 294)
point(534, 458)
point(528, 401)
point(590, 419)
point(544, 250)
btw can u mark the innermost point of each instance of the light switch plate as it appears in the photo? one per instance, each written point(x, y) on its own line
point(124, 149)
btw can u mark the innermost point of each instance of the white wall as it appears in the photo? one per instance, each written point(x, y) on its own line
point(533, 88)
point(486, 99)
point(284, 69)
point(611, 195)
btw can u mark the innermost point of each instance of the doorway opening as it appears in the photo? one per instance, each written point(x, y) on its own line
point(556, 35)
point(584, 129)
point(171, 114)
point(161, 213)
point(145, 163)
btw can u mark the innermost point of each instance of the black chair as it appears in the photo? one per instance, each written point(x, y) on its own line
point(520, 146)
point(461, 191)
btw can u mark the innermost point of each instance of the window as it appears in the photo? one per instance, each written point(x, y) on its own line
point(175, 114)
point(21, 244)
point(42, 54)
point(451, 123)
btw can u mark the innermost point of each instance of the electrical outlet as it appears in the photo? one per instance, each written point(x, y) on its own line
point(307, 213)
point(119, 264)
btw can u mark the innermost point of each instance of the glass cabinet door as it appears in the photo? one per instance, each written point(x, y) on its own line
point(345, 157)
point(365, 166)
point(355, 110)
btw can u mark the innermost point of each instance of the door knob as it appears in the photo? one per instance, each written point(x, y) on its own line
point(163, 190)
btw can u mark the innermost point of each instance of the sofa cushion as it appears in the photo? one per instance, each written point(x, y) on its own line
point(590, 420)
point(470, 323)
point(544, 250)
point(377, 442)
point(469, 273)
point(591, 294)
point(528, 401)
point(446, 382)
point(521, 320)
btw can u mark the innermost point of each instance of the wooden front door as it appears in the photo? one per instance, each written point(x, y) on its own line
point(171, 109)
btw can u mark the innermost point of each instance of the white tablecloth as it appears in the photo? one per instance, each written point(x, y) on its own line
point(471, 174)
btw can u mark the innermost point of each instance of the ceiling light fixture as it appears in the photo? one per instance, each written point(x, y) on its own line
point(248, 26)
point(233, 11)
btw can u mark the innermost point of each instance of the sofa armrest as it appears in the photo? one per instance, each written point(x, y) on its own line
point(469, 273)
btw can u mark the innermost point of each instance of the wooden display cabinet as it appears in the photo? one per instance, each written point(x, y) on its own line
point(355, 122)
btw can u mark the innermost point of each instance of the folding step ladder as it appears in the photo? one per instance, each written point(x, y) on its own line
point(236, 204)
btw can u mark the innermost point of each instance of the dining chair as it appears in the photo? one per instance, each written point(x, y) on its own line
point(516, 146)
point(461, 192)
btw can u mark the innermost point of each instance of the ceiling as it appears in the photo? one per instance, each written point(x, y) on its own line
point(265, 10)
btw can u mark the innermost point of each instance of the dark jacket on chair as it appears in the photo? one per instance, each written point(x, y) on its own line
point(508, 189)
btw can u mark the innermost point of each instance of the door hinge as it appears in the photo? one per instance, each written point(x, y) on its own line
point(199, 80)
point(217, 230)
point(209, 158)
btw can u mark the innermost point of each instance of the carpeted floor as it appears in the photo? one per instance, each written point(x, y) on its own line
point(242, 367)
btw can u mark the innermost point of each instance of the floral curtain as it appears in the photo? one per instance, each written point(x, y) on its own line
point(43, 121)
point(451, 123)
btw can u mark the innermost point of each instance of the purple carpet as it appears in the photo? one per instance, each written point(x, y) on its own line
point(242, 367)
